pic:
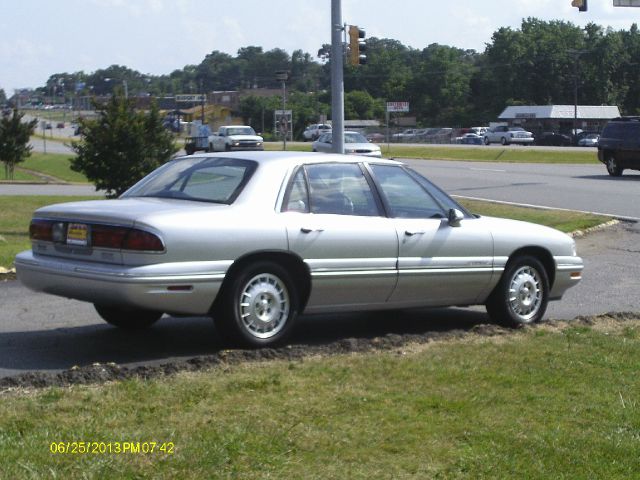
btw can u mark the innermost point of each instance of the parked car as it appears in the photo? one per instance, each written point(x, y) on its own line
point(312, 132)
point(619, 145)
point(406, 135)
point(354, 143)
point(589, 140)
point(256, 238)
point(375, 137)
point(507, 135)
point(553, 139)
point(469, 139)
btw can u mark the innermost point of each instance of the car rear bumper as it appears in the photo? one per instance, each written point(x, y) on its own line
point(181, 288)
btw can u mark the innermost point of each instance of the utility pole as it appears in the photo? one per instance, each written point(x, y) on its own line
point(576, 71)
point(337, 80)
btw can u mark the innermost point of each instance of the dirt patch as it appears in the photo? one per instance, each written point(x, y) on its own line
point(99, 373)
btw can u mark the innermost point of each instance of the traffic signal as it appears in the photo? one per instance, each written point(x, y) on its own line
point(357, 46)
point(581, 4)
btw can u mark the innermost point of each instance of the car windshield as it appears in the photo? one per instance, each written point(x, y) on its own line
point(215, 180)
point(353, 137)
point(241, 131)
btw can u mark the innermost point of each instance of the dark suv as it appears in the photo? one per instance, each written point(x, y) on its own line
point(619, 145)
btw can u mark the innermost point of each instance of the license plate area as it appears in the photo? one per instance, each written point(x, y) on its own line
point(78, 234)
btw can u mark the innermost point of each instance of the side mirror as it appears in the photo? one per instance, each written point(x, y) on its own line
point(455, 217)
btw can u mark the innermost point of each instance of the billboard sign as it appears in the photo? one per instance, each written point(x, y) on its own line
point(196, 97)
point(397, 107)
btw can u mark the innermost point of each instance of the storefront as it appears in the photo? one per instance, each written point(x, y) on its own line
point(559, 118)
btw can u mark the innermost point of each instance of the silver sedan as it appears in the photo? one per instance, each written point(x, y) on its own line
point(256, 238)
point(354, 143)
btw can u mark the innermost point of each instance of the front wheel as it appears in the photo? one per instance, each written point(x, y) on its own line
point(503, 141)
point(521, 296)
point(486, 141)
point(259, 306)
point(128, 319)
point(613, 168)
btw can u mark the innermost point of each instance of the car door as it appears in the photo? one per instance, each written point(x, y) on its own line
point(439, 262)
point(334, 223)
point(630, 145)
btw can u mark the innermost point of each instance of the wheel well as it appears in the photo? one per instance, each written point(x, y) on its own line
point(543, 255)
point(294, 265)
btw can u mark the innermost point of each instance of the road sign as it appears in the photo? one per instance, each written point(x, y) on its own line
point(626, 3)
point(197, 97)
point(397, 106)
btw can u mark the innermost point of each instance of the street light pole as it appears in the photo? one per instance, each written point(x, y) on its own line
point(337, 79)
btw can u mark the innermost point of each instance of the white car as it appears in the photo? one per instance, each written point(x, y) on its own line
point(312, 132)
point(354, 143)
point(590, 140)
point(507, 135)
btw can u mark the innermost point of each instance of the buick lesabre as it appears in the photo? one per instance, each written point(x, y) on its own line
point(256, 238)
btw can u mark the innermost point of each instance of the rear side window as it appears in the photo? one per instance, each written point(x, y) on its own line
point(332, 188)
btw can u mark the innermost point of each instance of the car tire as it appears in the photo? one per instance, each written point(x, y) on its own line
point(269, 316)
point(486, 141)
point(503, 141)
point(128, 318)
point(522, 295)
point(613, 168)
point(210, 149)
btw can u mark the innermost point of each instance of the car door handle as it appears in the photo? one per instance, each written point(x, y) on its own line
point(309, 230)
point(411, 233)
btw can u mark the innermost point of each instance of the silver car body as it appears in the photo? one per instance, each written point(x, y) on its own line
point(354, 144)
point(351, 261)
point(507, 135)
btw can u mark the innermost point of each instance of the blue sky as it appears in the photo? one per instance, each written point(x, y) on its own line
point(42, 37)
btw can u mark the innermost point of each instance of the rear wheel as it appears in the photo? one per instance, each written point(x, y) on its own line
point(258, 307)
point(486, 141)
point(613, 167)
point(128, 319)
point(521, 296)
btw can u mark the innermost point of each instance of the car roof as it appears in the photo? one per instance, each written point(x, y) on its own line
point(292, 158)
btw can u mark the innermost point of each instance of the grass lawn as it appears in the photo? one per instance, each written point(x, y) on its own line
point(54, 164)
point(546, 403)
point(564, 221)
point(479, 154)
point(14, 222)
point(19, 176)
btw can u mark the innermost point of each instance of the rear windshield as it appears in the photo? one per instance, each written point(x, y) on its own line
point(216, 180)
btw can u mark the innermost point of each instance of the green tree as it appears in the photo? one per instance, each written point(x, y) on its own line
point(3, 96)
point(121, 146)
point(14, 141)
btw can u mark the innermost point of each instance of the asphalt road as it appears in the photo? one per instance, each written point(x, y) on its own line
point(575, 187)
point(46, 333)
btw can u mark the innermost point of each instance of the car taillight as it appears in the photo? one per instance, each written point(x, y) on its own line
point(102, 236)
point(108, 237)
point(123, 238)
point(41, 230)
point(142, 241)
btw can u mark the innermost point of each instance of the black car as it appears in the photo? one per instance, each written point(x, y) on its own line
point(553, 139)
point(619, 145)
